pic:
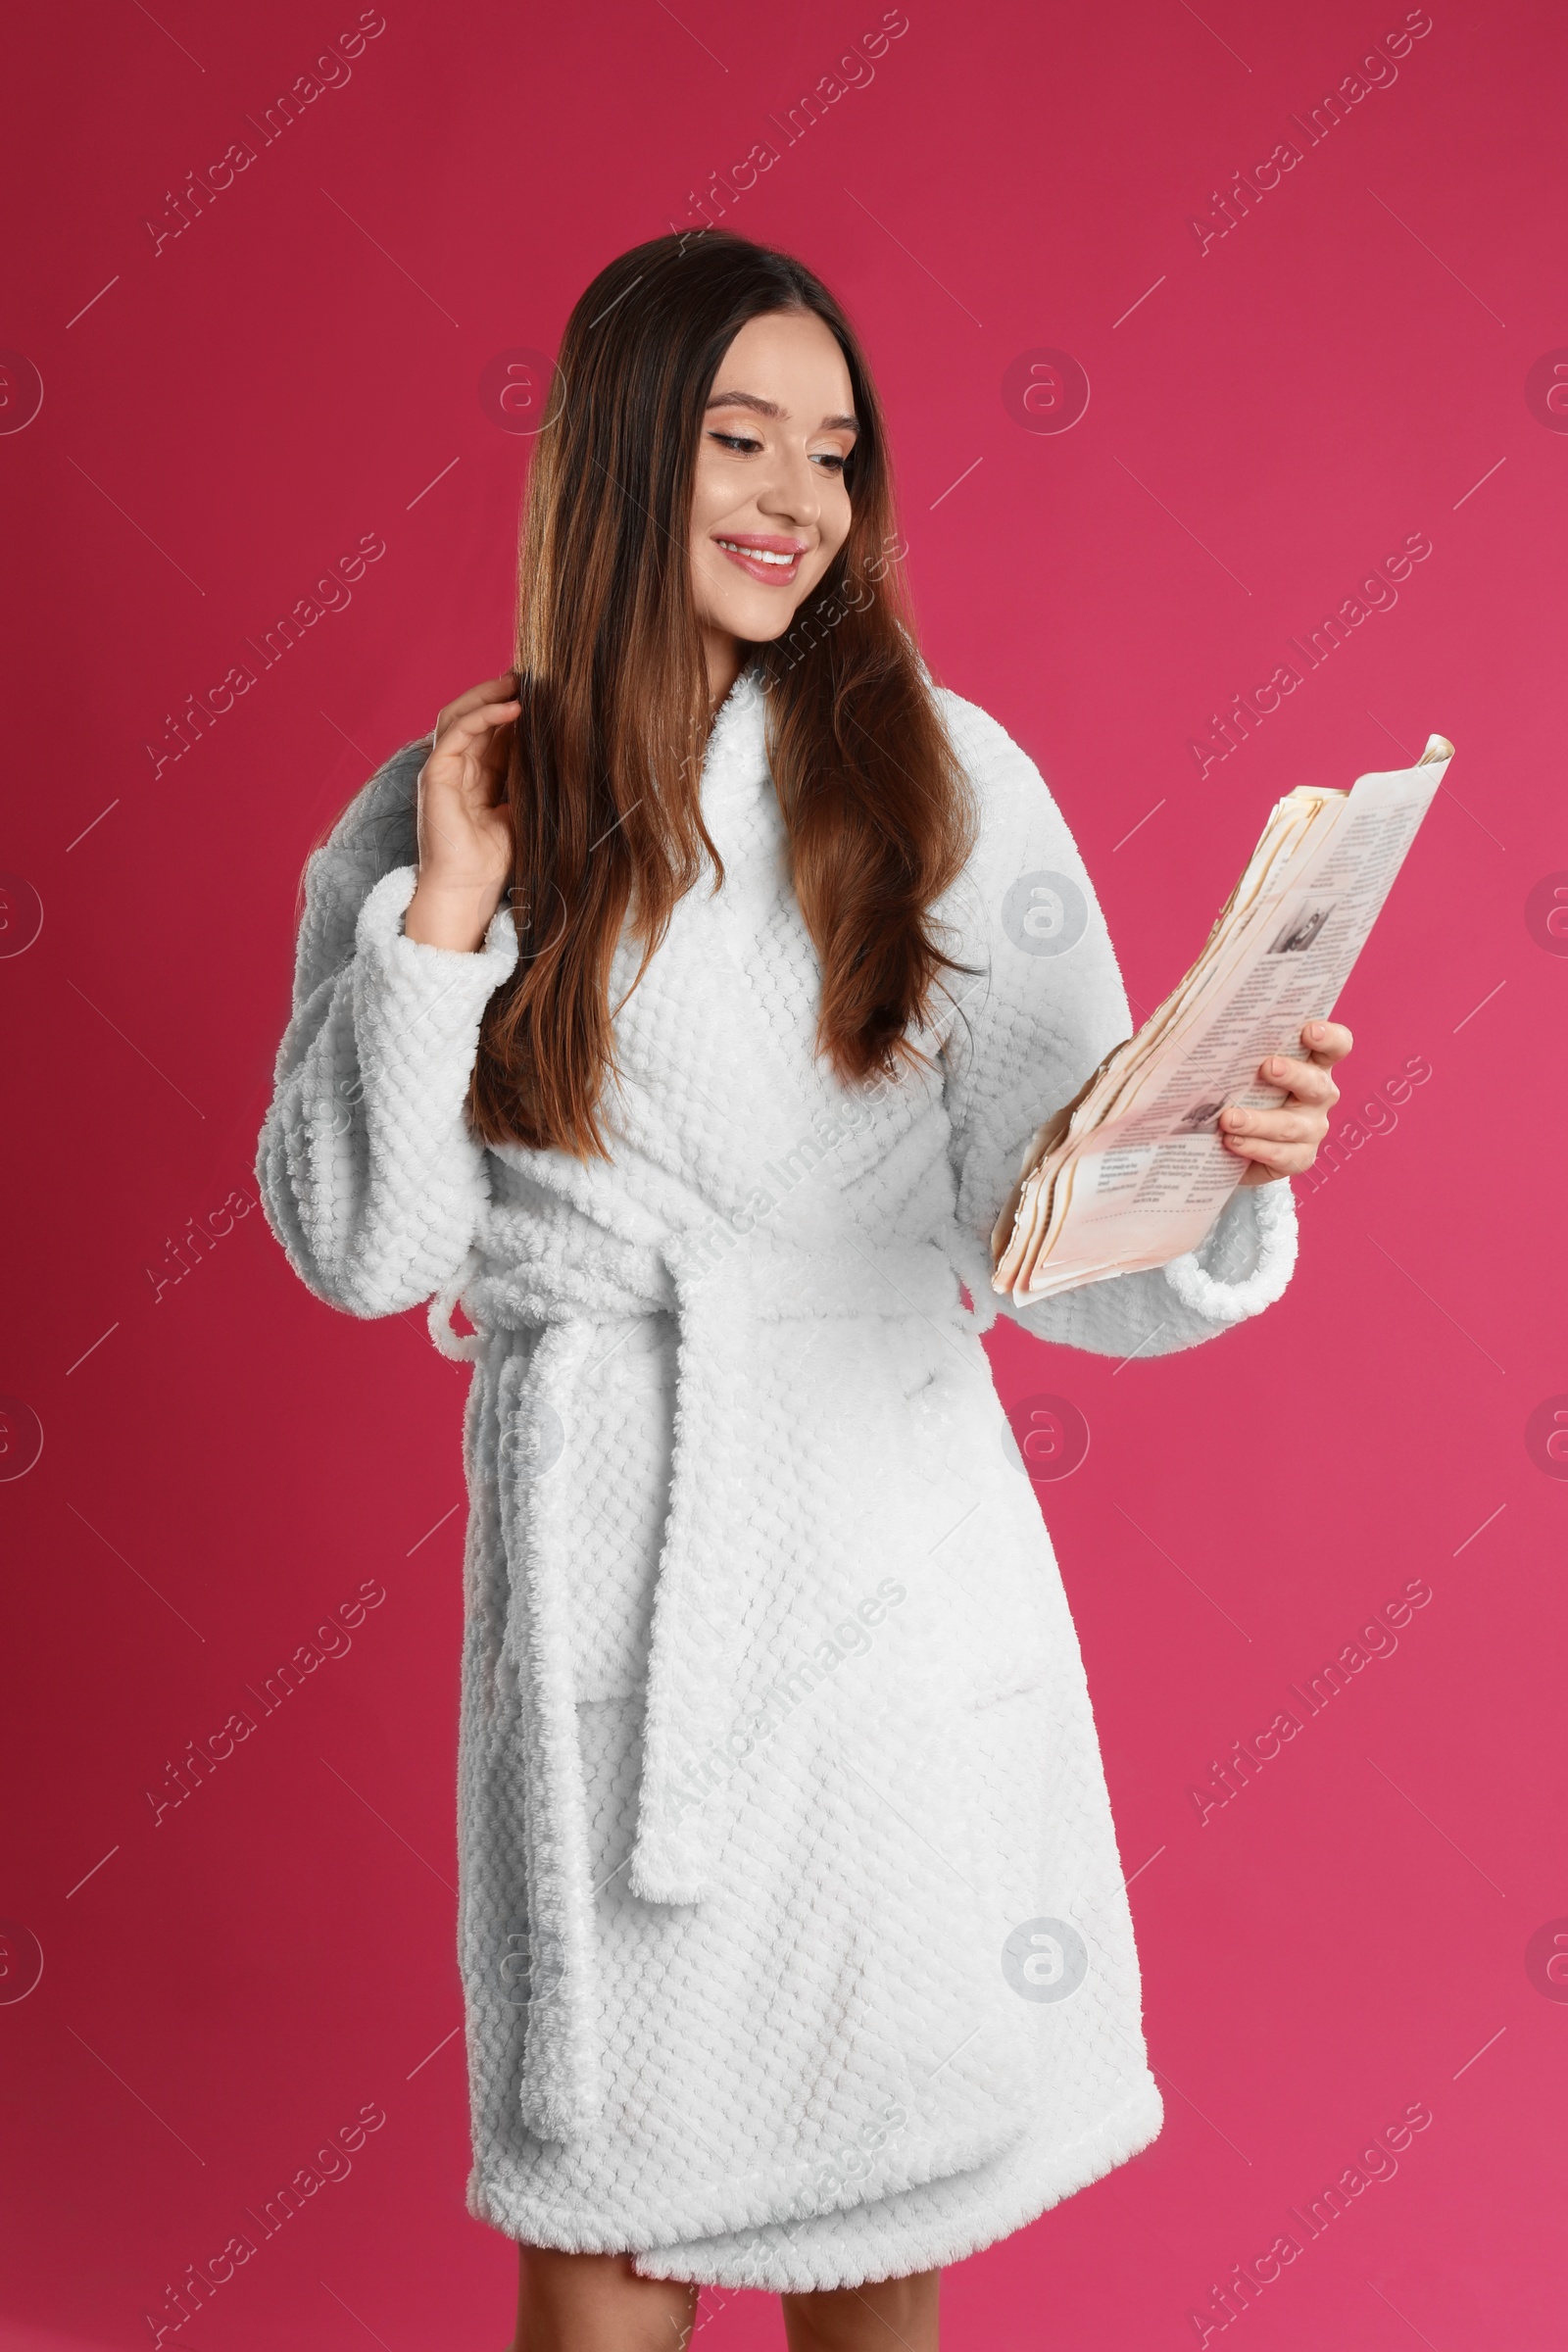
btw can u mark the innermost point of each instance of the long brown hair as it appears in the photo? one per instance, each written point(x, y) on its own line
point(605, 764)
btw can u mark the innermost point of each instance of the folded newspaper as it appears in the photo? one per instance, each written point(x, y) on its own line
point(1133, 1172)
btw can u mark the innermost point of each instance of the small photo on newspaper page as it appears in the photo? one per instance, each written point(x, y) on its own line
point(1303, 927)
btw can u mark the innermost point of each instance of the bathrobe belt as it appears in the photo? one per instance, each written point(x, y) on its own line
point(722, 1304)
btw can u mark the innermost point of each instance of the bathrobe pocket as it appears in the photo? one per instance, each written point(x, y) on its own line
point(983, 1560)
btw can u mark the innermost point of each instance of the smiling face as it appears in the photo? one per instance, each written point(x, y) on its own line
point(770, 509)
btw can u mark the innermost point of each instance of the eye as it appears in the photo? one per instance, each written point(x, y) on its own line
point(735, 440)
point(831, 459)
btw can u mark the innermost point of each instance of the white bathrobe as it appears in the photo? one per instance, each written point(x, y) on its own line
point(791, 1928)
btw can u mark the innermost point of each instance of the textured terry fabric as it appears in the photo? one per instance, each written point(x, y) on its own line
point(775, 2035)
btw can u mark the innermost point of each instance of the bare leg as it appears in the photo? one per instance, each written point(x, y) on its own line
point(598, 2303)
point(880, 2317)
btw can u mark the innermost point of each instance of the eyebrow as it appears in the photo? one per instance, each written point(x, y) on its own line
point(770, 408)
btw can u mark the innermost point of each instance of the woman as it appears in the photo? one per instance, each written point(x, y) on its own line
point(666, 1007)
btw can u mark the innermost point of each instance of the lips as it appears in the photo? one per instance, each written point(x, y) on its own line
point(758, 555)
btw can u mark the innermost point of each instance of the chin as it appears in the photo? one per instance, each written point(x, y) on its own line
point(756, 615)
point(761, 623)
point(769, 632)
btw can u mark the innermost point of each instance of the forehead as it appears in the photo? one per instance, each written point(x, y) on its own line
point(791, 358)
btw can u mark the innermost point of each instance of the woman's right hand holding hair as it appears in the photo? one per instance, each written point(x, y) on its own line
point(466, 844)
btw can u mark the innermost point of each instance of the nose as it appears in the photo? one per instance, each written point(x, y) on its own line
point(792, 493)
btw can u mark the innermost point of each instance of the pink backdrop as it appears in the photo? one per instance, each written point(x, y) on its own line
point(1362, 355)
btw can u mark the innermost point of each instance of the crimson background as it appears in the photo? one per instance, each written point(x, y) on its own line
point(225, 1461)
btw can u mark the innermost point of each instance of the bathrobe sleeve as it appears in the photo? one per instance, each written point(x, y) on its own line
point(1043, 1007)
point(369, 1173)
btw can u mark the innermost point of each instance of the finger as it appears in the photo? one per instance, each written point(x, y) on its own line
point(1280, 1155)
point(1272, 1126)
point(476, 700)
point(1328, 1041)
point(490, 690)
point(463, 733)
point(1303, 1079)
